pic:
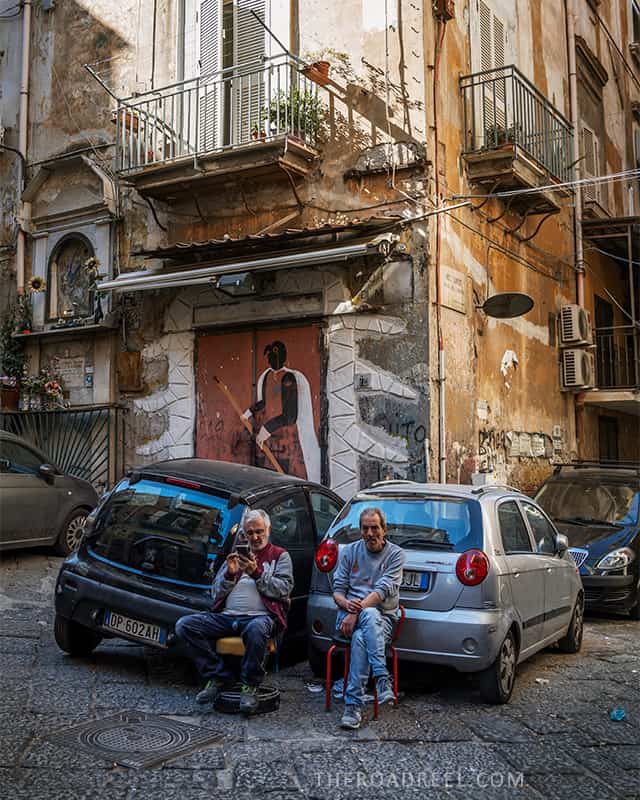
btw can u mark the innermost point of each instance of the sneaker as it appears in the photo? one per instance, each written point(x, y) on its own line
point(352, 718)
point(248, 699)
point(211, 690)
point(385, 690)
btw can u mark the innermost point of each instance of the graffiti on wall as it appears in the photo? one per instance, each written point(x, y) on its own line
point(259, 399)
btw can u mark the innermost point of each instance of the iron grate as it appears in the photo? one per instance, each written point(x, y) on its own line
point(135, 739)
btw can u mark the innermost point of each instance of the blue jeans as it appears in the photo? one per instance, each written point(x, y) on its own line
point(369, 641)
point(200, 632)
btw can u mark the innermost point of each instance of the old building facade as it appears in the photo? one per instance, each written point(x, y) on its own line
point(247, 258)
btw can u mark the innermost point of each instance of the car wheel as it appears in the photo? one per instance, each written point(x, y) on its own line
point(317, 662)
point(73, 638)
point(634, 611)
point(496, 682)
point(71, 532)
point(572, 640)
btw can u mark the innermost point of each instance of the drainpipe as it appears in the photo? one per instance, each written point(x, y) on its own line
point(23, 130)
point(575, 120)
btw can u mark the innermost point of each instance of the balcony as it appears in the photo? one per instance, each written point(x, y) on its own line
point(253, 120)
point(514, 138)
point(618, 357)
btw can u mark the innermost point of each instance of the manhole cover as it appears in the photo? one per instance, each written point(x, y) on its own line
point(135, 739)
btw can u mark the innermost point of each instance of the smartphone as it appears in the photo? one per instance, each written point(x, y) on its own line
point(242, 549)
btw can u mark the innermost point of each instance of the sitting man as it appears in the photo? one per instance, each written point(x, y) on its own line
point(250, 599)
point(366, 587)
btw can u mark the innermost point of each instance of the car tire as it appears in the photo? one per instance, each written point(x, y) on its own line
point(634, 611)
point(73, 638)
point(317, 662)
point(71, 532)
point(496, 682)
point(572, 640)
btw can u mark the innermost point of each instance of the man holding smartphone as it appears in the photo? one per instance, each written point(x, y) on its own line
point(250, 599)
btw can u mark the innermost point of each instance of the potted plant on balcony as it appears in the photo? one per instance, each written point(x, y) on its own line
point(298, 113)
point(12, 362)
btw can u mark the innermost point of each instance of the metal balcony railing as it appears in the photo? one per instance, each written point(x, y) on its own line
point(502, 107)
point(618, 357)
point(209, 114)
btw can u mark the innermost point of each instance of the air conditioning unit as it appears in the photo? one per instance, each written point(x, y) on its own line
point(575, 326)
point(578, 370)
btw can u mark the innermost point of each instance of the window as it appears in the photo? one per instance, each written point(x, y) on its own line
point(515, 537)
point(68, 285)
point(543, 532)
point(492, 55)
point(590, 161)
point(21, 460)
point(290, 522)
point(325, 510)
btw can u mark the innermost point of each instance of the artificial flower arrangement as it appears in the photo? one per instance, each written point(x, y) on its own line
point(44, 390)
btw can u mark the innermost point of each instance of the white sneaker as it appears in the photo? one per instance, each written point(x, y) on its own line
point(352, 718)
point(385, 691)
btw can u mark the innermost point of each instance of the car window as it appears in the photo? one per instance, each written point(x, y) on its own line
point(418, 523)
point(591, 499)
point(514, 533)
point(543, 533)
point(290, 522)
point(325, 510)
point(168, 532)
point(21, 459)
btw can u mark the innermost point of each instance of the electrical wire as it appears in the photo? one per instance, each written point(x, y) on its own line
point(622, 259)
point(614, 177)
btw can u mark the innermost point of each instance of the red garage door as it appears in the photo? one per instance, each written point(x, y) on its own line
point(272, 377)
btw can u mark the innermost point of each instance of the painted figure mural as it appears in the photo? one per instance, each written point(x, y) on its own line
point(259, 399)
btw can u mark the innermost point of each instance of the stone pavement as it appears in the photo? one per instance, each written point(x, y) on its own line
point(554, 740)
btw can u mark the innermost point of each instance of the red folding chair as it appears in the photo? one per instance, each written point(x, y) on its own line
point(342, 643)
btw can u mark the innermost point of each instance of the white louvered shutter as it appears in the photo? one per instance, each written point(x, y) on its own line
point(590, 162)
point(492, 55)
point(249, 83)
point(211, 91)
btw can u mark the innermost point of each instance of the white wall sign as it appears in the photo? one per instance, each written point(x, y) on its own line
point(71, 371)
point(453, 289)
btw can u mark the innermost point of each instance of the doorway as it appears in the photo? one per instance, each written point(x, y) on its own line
point(608, 438)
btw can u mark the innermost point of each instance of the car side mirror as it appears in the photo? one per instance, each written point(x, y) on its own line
point(562, 544)
point(47, 472)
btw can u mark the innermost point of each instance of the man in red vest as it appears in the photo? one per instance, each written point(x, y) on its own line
point(250, 599)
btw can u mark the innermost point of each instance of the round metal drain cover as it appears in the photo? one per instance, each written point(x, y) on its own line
point(228, 702)
point(135, 739)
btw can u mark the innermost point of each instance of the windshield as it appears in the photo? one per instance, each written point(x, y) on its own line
point(604, 501)
point(429, 523)
point(166, 532)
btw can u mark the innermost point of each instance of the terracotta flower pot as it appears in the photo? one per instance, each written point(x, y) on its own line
point(317, 72)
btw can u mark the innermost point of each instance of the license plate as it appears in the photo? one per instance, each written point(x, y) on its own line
point(415, 581)
point(144, 631)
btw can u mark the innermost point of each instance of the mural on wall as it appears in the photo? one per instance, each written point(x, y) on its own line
point(259, 399)
point(69, 282)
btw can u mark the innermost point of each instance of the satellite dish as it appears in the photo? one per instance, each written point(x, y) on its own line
point(507, 305)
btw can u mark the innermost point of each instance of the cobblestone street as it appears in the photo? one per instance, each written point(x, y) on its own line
point(554, 740)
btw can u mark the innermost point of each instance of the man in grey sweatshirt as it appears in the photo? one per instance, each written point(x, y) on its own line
point(366, 589)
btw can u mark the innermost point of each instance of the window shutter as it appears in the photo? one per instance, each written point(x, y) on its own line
point(210, 91)
point(492, 52)
point(486, 37)
point(190, 38)
point(249, 83)
point(590, 162)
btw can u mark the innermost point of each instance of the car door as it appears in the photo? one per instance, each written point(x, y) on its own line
point(557, 586)
point(28, 504)
point(526, 572)
point(292, 528)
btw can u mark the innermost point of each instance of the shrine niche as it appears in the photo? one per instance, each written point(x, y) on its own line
point(69, 286)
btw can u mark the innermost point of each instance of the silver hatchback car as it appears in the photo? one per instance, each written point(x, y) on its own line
point(488, 581)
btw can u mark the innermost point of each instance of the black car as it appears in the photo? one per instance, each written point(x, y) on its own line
point(39, 504)
point(597, 506)
point(150, 550)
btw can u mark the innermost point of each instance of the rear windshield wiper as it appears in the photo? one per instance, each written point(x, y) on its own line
point(418, 542)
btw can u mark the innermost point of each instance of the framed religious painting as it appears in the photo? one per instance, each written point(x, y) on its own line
point(69, 294)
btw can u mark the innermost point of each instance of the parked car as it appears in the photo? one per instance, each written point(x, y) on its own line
point(39, 504)
point(597, 506)
point(150, 550)
point(487, 581)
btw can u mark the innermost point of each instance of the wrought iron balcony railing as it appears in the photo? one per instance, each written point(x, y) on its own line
point(618, 357)
point(502, 107)
point(210, 114)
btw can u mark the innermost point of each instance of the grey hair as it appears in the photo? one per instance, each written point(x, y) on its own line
point(256, 513)
point(370, 511)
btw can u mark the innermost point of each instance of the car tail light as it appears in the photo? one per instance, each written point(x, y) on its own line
point(472, 567)
point(327, 555)
point(181, 482)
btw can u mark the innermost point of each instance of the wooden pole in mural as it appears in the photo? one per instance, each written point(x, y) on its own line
point(247, 424)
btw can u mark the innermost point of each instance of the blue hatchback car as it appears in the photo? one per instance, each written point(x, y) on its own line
point(597, 507)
